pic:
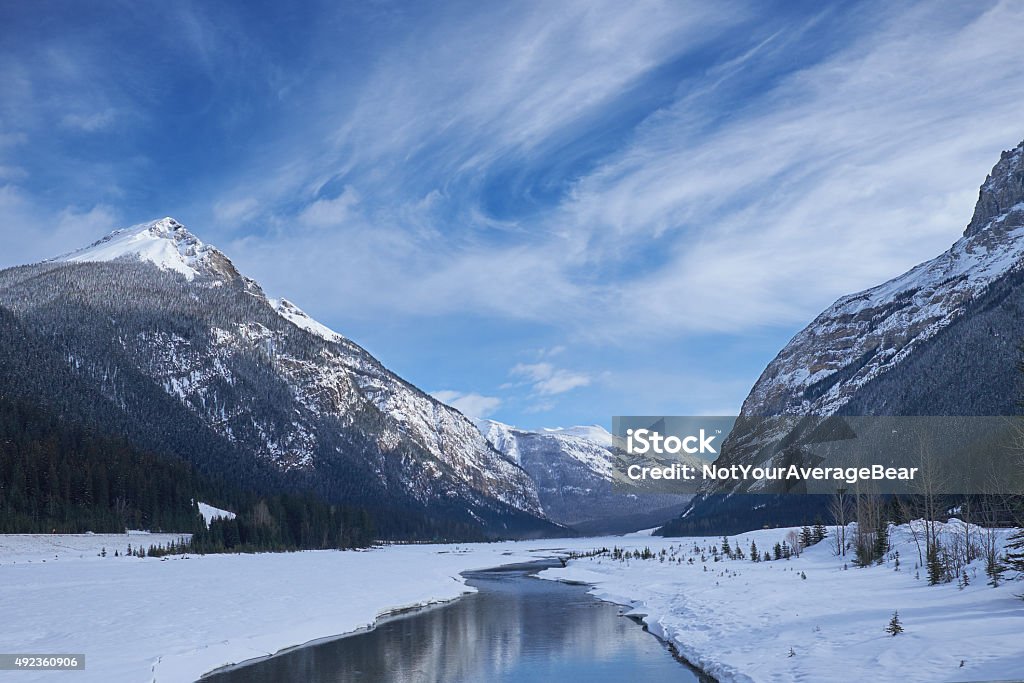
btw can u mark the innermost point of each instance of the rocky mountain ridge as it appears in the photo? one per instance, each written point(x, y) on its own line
point(152, 307)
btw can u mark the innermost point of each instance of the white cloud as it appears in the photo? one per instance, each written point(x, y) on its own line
point(840, 175)
point(761, 210)
point(547, 380)
point(331, 212)
point(849, 172)
point(543, 67)
point(236, 210)
point(471, 404)
point(42, 232)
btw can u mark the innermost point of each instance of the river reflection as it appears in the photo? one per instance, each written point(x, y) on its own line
point(516, 628)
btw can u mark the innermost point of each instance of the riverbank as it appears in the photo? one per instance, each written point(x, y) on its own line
point(172, 619)
point(514, 628)
point(743, 621)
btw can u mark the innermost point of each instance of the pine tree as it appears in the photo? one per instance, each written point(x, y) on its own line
point(754, 556)
point(777, 551)
point(820, 532)
point(726, 550)
point(994, 569)
point(895, 627)
point(806, 537)
point(936, 572)
point(1014, 552)
point(881, 541)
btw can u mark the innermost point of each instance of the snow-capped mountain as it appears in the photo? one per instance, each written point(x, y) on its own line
point(256, 383)
point(165, 243)
point(941, 339)
point(864, 336)
point(580, 476)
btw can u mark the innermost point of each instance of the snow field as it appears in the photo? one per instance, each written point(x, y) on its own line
point(739, 620)
point(173, 619)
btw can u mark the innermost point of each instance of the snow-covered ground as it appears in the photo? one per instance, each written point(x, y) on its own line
point(172, 619)
point(55, 548)
point(739, 619)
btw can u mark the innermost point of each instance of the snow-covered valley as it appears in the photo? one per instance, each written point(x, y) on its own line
point(173, 619)
point(176, 618)
point(744, 621)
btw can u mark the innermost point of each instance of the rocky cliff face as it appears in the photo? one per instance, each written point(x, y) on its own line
point(863, 337)
point(152, 311)
point(1001, 200)
point(941, 339)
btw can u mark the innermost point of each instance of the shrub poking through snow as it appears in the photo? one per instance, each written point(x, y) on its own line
point(895, 627)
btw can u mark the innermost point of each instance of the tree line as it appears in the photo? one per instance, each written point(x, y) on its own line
point(61, 478)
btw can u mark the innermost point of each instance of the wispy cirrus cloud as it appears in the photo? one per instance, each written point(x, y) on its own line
point(717, 202)
point(604, 177)
point(547, 380)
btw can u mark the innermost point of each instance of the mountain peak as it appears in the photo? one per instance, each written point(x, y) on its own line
point(863, 336)
point(1001, 199)
point(165, 242)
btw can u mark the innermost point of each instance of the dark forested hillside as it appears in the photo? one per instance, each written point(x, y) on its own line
point(208, 374)
point(63, 478)
point(68, 479)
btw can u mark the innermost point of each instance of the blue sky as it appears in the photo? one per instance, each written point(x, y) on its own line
point(544, 212)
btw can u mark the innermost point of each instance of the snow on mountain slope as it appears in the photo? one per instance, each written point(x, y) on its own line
point(592, 433)
point(300, 318)
point(260, 373)
point(864, 335)
point(588, 445)
point(501, 436)
point(165, 243)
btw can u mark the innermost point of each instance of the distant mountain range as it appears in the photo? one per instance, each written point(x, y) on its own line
point(151, 333)
point(944, 338)
point(580, 478)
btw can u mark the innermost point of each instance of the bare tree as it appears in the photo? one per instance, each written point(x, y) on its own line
point(868, 507)
point(793, 539)
point(839, 508)
point(923, 507)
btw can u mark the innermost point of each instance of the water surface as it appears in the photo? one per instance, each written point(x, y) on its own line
point(516, 629)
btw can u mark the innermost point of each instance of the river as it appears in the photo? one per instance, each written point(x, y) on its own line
point(516, 629)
